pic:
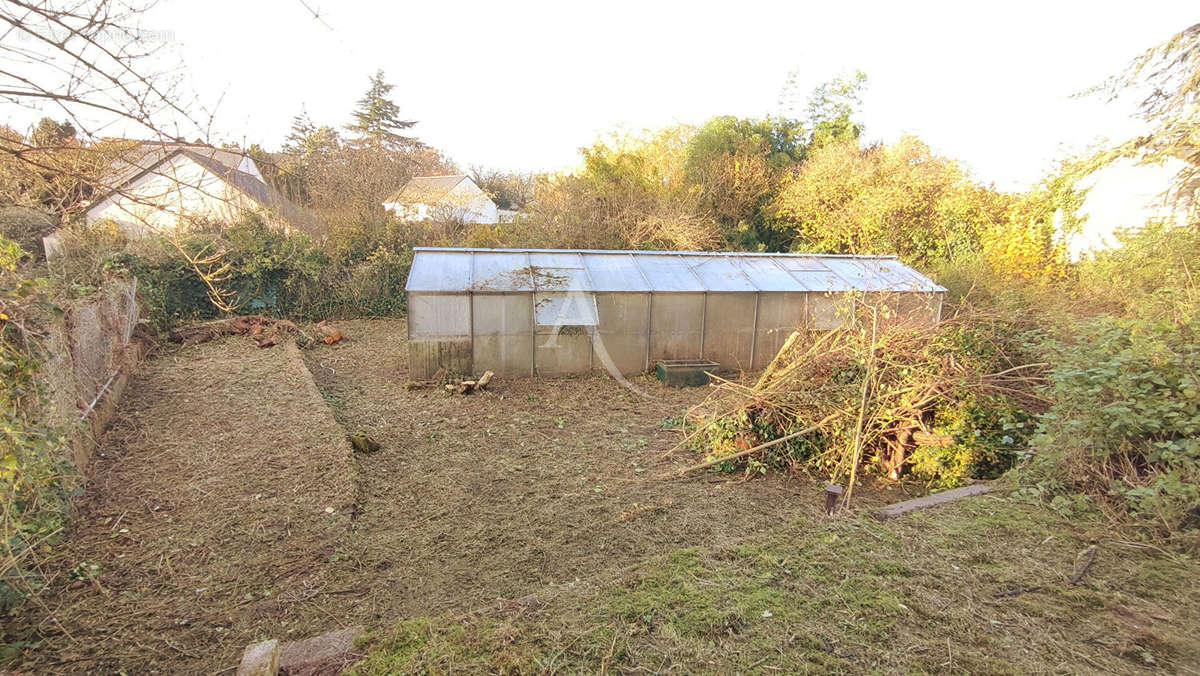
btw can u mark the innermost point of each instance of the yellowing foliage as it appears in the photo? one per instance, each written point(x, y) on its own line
point(1031, 241)
point(899, 199)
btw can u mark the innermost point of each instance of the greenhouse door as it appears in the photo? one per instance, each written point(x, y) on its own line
point(564, 322)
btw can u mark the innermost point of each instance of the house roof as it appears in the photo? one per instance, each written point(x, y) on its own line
point(264, 195)
point(425, 189)
point(219, 165)
point(147, 154)
point(449, 270)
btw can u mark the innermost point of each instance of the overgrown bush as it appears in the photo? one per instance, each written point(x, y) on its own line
point(1150, 274)
point(79, 267)
point(34, 464)
point(990, 433)
point(1125, 423)
point(251, 268)
point(26, 227)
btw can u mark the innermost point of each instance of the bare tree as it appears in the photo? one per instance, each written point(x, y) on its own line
point(508, 189)
point(91, 62)
point(92, 65)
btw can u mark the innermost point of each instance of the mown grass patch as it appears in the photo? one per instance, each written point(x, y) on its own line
point(981, 585)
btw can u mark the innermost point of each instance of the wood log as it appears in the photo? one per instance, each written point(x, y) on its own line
point(921, 438)
point(328, 334)
point(469, 386)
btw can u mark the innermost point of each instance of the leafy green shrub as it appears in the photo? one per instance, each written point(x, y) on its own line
point(257, 269)
point(11, 254)
point(1125, 423)
point(33, 451)
point(989, 433)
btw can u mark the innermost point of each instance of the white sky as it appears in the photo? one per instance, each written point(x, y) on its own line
point(524, 85)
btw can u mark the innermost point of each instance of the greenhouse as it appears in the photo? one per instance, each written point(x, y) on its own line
point(555, 312)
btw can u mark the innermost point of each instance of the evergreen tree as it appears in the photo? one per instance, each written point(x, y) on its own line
point(305, 138)
point(377, 120)
point(302, 129)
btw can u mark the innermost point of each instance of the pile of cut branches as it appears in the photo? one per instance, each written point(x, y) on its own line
point(947, 403)
point(265, 331)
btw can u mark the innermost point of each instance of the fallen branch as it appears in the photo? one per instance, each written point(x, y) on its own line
point(750, 451)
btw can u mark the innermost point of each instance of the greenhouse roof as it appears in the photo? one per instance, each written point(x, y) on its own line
point(449, 270)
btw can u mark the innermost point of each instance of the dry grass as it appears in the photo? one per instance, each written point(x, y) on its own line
point(206, 516)
point(534, 482)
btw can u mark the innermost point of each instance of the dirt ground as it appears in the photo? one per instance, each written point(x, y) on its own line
point(535, 482)
point(226, 506)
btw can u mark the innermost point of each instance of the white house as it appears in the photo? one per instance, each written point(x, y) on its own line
point(159, 186)
point(443, 198)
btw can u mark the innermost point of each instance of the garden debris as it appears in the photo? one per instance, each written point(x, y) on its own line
point(748, 451)
point(469, 386)
point(362, 443)
point(529, 603)
point(938, 401)
point(265, 331)
point(1083, 562)
point(328, 334)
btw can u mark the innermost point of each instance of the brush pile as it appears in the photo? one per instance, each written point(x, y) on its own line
point(946, 403)
point(265, 331)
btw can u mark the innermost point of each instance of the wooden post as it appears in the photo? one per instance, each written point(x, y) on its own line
point(471, 329)
point(833, 493)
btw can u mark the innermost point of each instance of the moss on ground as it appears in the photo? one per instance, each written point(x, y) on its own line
point(982, 585)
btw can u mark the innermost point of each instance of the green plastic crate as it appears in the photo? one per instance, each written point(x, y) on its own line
point(685, 372)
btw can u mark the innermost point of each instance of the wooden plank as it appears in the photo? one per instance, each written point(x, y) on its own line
point(932, 500)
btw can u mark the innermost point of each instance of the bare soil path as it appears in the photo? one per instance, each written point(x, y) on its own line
point(213, 510)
